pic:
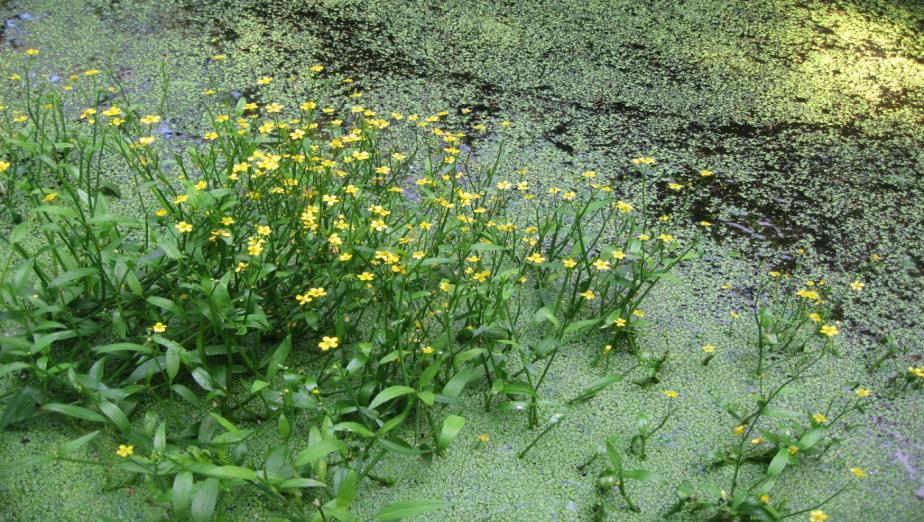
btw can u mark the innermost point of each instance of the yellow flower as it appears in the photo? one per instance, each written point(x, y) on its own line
point(643, 237)
point(765, 499)
point(149, 119)
point(536, 257)
point(709, 348)
point(240, 267)
point(792, 449)
point(757, 440)
point(829, 330)
point(32, 52)
point(705, 173)
point(484, 437)
point(862, 392)
point(667, 238)
point(184, 227)
point(820, 418)
point(569, 263)
point(601, 265)
point(159, 327)
point(808, 294)
point(125, 450)
point(620, 322)
point(346, 256)
point(264, 230)
point(328, 343)
point(638, 313)
point(265, 80)
point(589, 294)
point(426, 350)
point(818, 515)
point(859, 472)
point(4, 166)
point(857, 285)
point(671, 394)
point(365, 276)
point(161, 212)
point(644, 161)
point(51, 196)
point(274, 108)
point(815, 317)
point(91, 72)
point(146, 140)
point(739, 430)
point(675, 186)
point(219, 57)
point(317, 68)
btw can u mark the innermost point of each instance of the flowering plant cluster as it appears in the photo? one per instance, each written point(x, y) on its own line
point(321, 269)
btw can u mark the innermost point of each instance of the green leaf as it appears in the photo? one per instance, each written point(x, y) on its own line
point(545, 314)
point(75, 411)
point(173, 362)
point(71, 446)
point(279, 357)
point(388, 394)
point(410, 508)
point(579, 326)
point(354, 427)
point(779, 462)
point(811, 437)
point(301, 483)
point(591, 391)
point(319, 450)
point(643, 475)
point(20, 232)
point(224, 472)
point(451, 428)
point(122, 347)
point(75, 274)
point(116, 415)
point(204, 499)
point(427, 397)
point(181, 495)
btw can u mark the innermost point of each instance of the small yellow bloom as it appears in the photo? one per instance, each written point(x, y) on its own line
point(739, 430)
point(125, 450)
point(671, 394)
point(765, 498)
point(857, 285)
point(829, 330)
point(589, 294)
point(792, 449)
point(536, 257)
point(365, 276)
point(159, 327)
point(859, 472)
point(328, 343)
point(569, 263)
point(862, 392)
point(484, 437)
point(818, 515)
point(32, 52)
point(820, 418)
point(51, 196)
point(709, 348)
point(184, 227)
